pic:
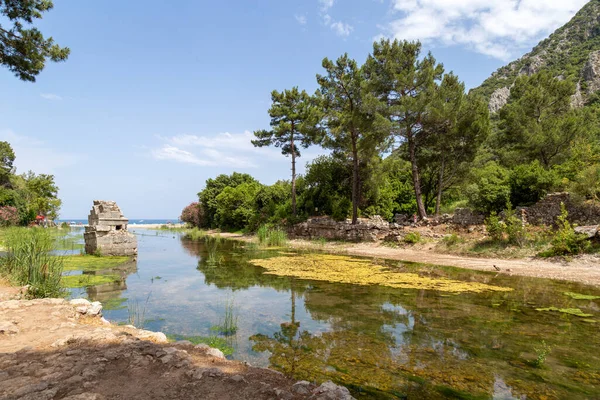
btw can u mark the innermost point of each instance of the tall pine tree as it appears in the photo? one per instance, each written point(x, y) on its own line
point(294, 123)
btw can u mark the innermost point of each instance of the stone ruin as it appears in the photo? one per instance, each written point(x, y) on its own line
point(106, 232)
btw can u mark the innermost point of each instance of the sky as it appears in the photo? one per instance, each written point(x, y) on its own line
point(158, 96)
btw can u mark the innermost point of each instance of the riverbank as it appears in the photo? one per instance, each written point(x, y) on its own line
point(56, 349)
point(583, 269)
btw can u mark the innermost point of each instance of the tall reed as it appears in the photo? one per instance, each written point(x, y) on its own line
point(271, 236)
point(29, 261)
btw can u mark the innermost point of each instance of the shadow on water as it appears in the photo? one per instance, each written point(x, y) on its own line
point(381, 342)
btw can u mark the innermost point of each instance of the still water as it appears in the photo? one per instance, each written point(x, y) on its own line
point(378, 341)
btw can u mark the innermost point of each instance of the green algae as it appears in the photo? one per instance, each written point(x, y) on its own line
point(578, 296)
point(86, 280)
point(571, 311)
point(343, 269)
point(91, 263)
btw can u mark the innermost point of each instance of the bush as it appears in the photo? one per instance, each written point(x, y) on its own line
point(565, 241)
point(9, 216)
point(192, 215)
point(452, 240)
point(412, 238)
point(491, 188)
point(515, 229)
point(495, 227)
point(29, 261)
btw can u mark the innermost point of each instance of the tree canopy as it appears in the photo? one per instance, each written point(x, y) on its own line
point(23, 49)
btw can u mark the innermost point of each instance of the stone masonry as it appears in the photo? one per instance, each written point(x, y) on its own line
point(106, 232)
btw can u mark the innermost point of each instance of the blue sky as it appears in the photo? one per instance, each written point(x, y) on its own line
point(158, 96)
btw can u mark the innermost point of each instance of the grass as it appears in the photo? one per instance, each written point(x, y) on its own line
point(29, 261)
point(269, 236)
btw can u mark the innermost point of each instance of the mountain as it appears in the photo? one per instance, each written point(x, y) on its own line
point(571, 52)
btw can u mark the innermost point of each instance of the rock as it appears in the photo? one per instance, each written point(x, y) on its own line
point(331, 391)
point(590, 232)
point(591, 72)
point(302, 388)
point(238, 379)
point(157, 337)
point(37, 387)
point(215, 353)
point(95, 309)
point(498, 99)
point(8, 328)
point(85, 396)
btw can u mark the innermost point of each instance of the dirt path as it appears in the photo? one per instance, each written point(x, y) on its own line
point(55, 349)
point(584, 269)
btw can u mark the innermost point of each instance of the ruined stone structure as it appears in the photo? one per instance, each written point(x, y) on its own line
point(106, 232)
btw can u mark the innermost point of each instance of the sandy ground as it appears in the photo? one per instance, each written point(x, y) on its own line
point(585, 269)
point(55, 349)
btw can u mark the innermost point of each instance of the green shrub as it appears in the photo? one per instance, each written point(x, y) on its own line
point(495, 227)
point(515, 229)
point(452, 240)
point(29, 261)
point(412, 238)
point(565, 241)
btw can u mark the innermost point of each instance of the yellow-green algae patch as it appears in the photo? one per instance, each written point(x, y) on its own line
point(571, 311)
point(81, 281)
point(342, 269)
point(579, 296)
point(91, 263)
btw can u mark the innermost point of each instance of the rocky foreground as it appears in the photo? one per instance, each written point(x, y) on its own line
point(59, 349)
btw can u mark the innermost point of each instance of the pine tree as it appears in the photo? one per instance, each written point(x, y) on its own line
point(353, 127)
point(407, 87)
point(25, 51)
point(294, 122)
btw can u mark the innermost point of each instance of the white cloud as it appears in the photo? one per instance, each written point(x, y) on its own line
point(223, 149)
point(326, 4)
point(341, 29)
point(301, 19)
point(498, 28)
point(50, 96)
point(36, 155)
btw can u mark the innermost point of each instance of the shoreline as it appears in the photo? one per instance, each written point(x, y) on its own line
point(583, 269)
point(56, 348)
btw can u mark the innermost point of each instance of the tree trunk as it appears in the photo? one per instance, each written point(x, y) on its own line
point(416, 178)
point(354, 180)
point(438, 200)
point(293, 173)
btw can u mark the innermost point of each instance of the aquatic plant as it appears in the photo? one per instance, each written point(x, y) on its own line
point(195, 234)
point(136, 314)
point(92, 263)
point(571, 311)
point(578, 296)
point(29, 261)
point(542, 353)
point(271, 236)
point(228, 325)
point(343, 269)
point(87, 280)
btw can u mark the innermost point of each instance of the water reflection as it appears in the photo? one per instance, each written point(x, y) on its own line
point(380, 342)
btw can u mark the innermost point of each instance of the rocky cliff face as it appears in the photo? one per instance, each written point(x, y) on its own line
point(572, 52)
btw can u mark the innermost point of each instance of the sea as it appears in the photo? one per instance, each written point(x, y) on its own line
point(131, 221)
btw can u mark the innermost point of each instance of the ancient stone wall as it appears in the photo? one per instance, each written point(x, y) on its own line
point(547, 210)
point(107, 231)
point(367, 230)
